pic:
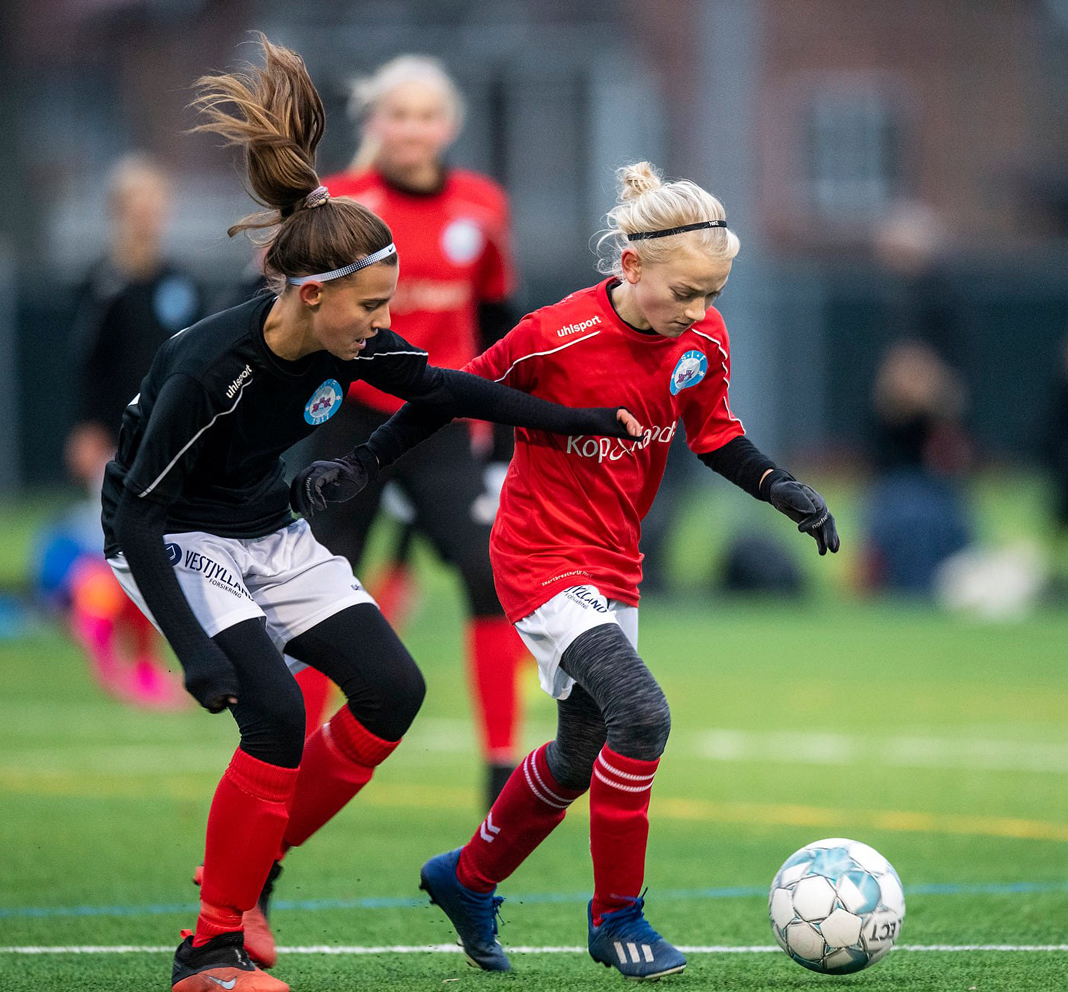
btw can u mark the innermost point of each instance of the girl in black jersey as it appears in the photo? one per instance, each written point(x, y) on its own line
point(199, 532)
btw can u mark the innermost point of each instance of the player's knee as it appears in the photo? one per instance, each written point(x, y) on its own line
point(572, 767)
point(642, 731)
point(388, 709)
point(275, 733)
point(410, 693)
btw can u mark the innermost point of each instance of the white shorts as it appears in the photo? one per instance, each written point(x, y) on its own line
point(550, 629)
point(288, 577)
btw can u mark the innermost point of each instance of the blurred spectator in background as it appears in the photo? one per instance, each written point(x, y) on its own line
point(1055, 456)
point(910, 248)
point(133, 299)
point(451, 228)
point(917, 516)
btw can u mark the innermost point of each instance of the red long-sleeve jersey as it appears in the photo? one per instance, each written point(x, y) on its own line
point(571, 508)
point(454, 253)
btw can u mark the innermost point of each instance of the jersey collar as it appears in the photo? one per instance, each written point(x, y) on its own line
point(416, 194)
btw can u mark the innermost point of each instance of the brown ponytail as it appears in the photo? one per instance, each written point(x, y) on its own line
point(274, 113)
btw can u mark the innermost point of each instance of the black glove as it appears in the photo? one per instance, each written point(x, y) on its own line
point(211, 680)
point(804, 506)
point(333, 481)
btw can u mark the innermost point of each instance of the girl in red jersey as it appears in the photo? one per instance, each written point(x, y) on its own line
point(565, 551)
point(198, 527)
point(452, 227)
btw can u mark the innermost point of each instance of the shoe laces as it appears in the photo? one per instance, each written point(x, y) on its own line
point(497, 917)
point(630, 922)
point(487, 912)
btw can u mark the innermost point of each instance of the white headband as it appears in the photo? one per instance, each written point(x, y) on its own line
point(347, 270)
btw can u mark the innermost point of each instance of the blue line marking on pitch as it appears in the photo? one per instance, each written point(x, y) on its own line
point(403, 902)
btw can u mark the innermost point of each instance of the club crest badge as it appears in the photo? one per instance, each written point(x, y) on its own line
point(462, 241)
point(688, 371)
point(324, 402)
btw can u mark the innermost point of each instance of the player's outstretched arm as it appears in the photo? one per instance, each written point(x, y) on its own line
point(209, 676)
point(449, 394)
point(739, 461)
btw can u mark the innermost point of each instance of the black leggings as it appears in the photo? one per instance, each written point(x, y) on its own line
point(443, 480)
point(356, 648)
point(615, 700)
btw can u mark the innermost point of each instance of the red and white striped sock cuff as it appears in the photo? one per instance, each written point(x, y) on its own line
point(626, 774)
point(535, 769)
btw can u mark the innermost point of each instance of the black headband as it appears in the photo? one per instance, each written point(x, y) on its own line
point(642, 235)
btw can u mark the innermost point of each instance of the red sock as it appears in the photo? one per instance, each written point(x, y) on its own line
point(619, 828)
point(494, 651)
point(339, 760)
point(530, 805)
point(315, 687)
point(245, 826)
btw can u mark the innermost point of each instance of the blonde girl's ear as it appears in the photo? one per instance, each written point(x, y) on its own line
point(630, 264)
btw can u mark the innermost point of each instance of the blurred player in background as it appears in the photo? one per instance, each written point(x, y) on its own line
point(132, 300)
point(565, 552)
point(452, 228)
point(197, 519)
point(917, 514)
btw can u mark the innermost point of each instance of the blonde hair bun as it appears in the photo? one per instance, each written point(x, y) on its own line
point(646, 203)
point(637, 179)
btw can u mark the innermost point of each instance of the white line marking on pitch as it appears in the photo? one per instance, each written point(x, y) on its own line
point(455, 949)
point(913, 751)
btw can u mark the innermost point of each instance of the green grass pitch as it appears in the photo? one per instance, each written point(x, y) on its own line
point(940, 741)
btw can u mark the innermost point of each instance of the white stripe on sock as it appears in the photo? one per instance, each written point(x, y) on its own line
point(541, 782)
point(536, 791)
point(617, 785)
point(624, 775)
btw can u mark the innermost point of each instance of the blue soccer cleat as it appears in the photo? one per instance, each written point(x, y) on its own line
point(473, 914)
point(625, 941)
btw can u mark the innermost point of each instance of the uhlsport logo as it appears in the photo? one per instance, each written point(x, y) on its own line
point(324, 402)
point(688, 371)
point(582, 325)
point(174, 553)
point(243, 377)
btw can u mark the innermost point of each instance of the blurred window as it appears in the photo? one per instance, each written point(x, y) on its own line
point(854, 153)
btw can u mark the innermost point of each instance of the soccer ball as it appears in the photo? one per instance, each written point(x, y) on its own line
point(836, 906)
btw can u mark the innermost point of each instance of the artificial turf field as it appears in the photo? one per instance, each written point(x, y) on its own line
point(940, 741)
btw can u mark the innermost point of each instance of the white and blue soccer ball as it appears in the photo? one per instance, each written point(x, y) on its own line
point(836, 906)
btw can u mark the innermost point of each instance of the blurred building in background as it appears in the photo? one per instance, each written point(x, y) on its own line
point(893, 170)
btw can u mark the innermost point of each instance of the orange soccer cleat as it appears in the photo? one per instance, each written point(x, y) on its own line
point(221, 963)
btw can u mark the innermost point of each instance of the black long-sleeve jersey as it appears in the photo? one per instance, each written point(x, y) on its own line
point(118, 327)
point(217, 409)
